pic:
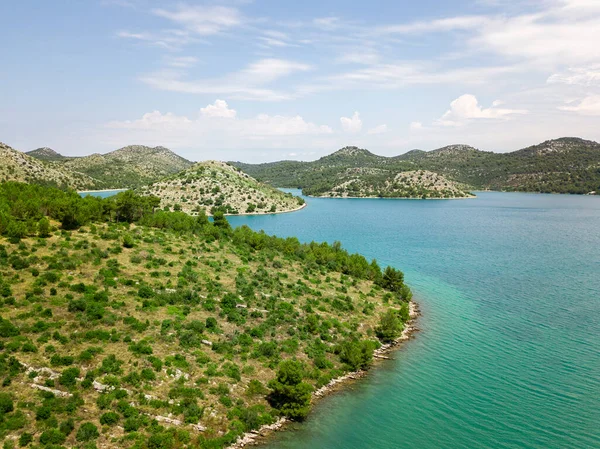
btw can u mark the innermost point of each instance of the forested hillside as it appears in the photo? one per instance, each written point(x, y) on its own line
point(567, 165)
point(126, 326)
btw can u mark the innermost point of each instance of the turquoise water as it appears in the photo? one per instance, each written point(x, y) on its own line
point(100, 193)
point(509, 350)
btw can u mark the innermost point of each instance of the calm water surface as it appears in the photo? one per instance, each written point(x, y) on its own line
point(509, 352)
point(100, 193)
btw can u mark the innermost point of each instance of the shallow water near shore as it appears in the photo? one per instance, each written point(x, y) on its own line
point(509, 350)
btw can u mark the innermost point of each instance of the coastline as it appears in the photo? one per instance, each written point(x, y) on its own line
point(268, 213)
point(390, 198)
point(260, 436)
point(229, 215)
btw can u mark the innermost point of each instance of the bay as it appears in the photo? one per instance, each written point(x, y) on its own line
point(509, 350)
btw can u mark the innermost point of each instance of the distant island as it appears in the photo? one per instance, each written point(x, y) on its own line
point(212, 185)
point(566, 165)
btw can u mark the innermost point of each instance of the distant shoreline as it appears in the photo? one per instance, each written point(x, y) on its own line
point(103, 190)
point(268, 213)
point(260, 436)
point(390, 197)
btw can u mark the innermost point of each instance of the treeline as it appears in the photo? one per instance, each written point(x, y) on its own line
point(25, 210)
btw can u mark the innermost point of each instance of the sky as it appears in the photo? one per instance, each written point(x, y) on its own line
point(267, 80)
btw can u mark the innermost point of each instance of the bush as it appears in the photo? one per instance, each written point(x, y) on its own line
point(68, 378)
point(390, 326)
point(357, 354)
point(128, 241)
point(288, 393)
point(8, 329)
point(109, 418)
point(52, 436)
point(87, 431)
point(25, 439)
point(6, 403)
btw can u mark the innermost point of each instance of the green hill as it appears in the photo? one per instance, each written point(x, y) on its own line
point(18, 166)
point(129, 167)
point(211, 185)
point(46, 154)
point(123, 326)
point(566, 165)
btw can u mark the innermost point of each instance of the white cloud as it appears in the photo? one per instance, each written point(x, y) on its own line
point(203, 20)
point(437, 25)
point(416, 126)
point(182, 131)
point(248, 84)
point(351, 124)
point(584, 76)
point(588, 106)
point(219, 109)
point(172, 40)
point(278, 125)
point(552, 33)
point(466, 107)
point(378, 129)
point(268, 70)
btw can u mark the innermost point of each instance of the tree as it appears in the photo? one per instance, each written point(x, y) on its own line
point(220, 221)
point(390, 326)
point(357, 354)
point(44, 227)
point(288, 393)
point(393, 279)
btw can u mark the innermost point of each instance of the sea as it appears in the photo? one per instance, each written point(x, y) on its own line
point(508, 352)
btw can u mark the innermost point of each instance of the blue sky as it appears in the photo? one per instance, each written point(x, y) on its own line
point(268, 80)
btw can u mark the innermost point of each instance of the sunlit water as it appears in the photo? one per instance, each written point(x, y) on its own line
point(509, 350)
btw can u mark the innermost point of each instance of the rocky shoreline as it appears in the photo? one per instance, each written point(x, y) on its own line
point(256, 437)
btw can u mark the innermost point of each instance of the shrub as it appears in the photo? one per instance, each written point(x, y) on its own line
point(390, 326)
point(109, 418)
point(52, 436)
point(68, 378)
point(128, 241)
point(8, 329)
point(6, 403)
point(25, 439)
point(87, 431)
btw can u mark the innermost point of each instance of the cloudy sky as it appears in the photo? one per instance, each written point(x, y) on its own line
point(266, 80)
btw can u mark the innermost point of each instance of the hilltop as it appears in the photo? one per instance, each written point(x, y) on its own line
point(46, 154)
point(565, 165)
point(122, 326)
point(128, 167)
point(17, 166)
point(211, 185)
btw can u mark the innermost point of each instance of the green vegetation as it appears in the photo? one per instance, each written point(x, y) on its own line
point(567, 165)
point(124, 325)
point(17, 166)
point(210, 186)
